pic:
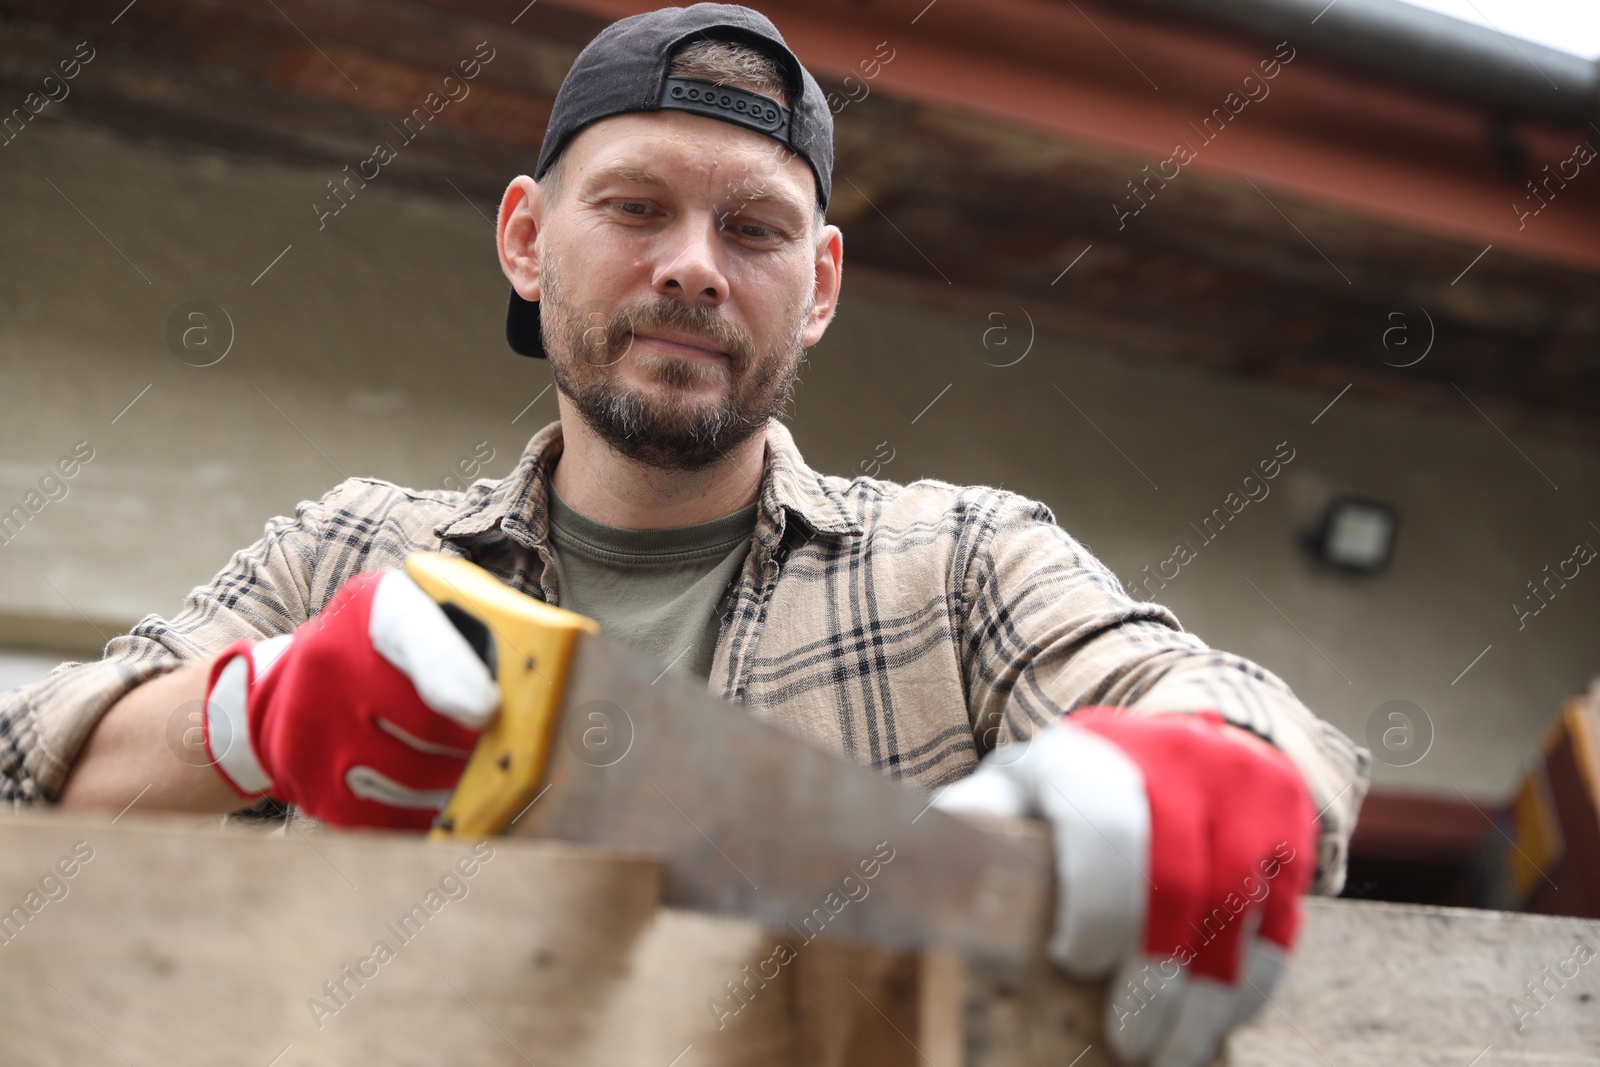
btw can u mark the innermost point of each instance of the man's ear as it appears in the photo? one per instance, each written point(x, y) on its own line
point(517, 235)
point(829, 275)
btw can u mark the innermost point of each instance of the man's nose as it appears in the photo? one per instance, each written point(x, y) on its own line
point(690, 268)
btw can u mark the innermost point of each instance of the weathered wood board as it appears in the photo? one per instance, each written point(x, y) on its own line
point(171, 942)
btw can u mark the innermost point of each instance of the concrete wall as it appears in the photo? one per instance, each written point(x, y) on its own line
point(374, 346)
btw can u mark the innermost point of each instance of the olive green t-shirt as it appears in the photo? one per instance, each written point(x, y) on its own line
point(653, 590)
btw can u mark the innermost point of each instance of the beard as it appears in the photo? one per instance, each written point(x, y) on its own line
point(682, 430)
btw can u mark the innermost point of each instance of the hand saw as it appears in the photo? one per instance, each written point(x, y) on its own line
point(596, 743)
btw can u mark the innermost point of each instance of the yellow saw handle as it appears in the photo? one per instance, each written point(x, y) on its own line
point(532, 645)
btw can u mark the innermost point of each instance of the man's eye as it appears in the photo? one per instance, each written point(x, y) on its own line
point(752, 230)
point(634, 207)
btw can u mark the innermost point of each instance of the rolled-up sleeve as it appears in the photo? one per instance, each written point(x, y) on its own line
point(1051, 629)
point(262, 591)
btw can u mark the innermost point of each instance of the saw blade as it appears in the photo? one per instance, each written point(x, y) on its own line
point(752, 822)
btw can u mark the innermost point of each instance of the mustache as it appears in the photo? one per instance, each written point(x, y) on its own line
point(610, 341)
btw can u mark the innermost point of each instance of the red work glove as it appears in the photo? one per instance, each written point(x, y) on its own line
point(1183, 846)
point(363, 716)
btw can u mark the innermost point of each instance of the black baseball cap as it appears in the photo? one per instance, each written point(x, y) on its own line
point(624, 69)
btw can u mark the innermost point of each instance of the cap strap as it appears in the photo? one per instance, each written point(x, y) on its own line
point(724, 102)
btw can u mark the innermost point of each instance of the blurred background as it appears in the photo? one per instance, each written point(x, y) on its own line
point(1290, 311)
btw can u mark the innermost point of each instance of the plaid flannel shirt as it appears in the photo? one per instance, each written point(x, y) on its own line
point(909, 628)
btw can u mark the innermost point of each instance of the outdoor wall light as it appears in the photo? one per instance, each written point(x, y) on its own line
point(1357, 535)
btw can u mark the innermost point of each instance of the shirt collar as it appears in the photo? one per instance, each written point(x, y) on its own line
point(518, 505)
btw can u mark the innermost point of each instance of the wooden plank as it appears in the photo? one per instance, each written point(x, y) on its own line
point(940, 1008)
point(1572, 769)
point(169, 941)
point(178, 947)
point(1396, 984)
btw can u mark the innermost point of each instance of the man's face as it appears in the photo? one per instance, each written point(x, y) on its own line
point(678, 279)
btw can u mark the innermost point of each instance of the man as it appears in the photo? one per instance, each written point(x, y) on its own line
point(669, 257)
